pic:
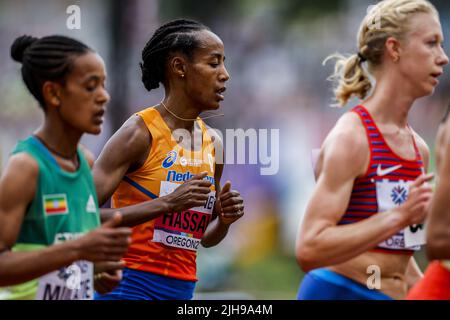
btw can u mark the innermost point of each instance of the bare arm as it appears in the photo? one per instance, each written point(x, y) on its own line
point(438, 226)
point(216, 230)
point(124, 152)
point(127, 151)
point(321, 242)
point(413, 272)
point(17, 189)
point(228, 208)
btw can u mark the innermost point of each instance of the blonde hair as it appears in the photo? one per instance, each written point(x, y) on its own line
point(388, 18)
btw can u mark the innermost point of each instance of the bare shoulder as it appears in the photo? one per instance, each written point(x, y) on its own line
point(21, 174)
point(24, 163)
point(346, 146)
point(135, 133)
point(133, 137)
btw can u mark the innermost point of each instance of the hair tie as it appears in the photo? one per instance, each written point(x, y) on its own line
point(361, 57)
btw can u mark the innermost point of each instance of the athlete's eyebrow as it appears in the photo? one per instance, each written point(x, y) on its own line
point(94, 77)
point(217, 55)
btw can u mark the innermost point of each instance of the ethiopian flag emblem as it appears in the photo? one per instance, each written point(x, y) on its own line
point(55, 204)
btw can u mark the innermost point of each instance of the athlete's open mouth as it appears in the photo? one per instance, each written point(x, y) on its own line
point(220, 92)
point(99, 114)
point(436, 74)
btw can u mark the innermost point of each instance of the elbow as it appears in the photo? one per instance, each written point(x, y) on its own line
point(306, 257)
point(207, 244)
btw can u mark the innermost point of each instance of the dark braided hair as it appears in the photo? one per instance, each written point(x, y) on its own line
point(46, 59)
point(176, 35)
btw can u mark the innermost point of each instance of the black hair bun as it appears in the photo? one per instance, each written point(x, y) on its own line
point(148, 78)
point(20, 45)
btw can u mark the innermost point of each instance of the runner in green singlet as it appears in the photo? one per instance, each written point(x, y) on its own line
point(50, 233)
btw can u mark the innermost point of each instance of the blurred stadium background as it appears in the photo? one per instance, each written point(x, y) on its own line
point(275, 51)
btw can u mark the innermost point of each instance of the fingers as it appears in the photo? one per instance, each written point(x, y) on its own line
point(109, 266)
point(199, 176)
point(230, 217)
point(237, 208)
point(122, 232)
point(233, 216)
point(201, 190)
point(99, 286)
point(106, 282)
point(229, 194)
point(107, 255)
point(114, 222)
point(422, 179)
point(226, 188)
point(198, 182)
point(230, 201)
point(115, 276)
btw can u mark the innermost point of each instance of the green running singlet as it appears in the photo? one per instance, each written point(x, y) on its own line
point(64, 207)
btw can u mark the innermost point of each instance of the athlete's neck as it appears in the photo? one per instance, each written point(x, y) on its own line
point(389, 105)
point(174, 110)
point(59, 138)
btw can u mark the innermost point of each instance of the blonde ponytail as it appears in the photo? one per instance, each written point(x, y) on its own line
point(351, 77)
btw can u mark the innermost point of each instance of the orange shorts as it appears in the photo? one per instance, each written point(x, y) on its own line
point(435, 284)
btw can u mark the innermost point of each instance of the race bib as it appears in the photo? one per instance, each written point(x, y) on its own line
point(183, 229)
point(415, 235)
point(391, 194)
point(74, 282)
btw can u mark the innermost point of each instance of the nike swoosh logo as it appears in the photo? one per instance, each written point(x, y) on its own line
point(382, 172)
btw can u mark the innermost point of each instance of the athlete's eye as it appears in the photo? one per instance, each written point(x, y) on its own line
point(433, 43)
point(91, 86)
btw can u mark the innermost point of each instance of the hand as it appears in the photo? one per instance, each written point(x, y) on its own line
point(229, 205)
point(192, 193)
point(107, 275)
point(106, 243)
point(415, 208)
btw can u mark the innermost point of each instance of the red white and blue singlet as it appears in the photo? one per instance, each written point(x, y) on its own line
point(384, 185)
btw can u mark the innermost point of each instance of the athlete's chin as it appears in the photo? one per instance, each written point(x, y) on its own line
point(426, 91)
point(212, 106)
point(95, 130)
point(429, 92)
point(218, 102)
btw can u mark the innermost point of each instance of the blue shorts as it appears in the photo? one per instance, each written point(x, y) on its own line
point(142, 285)
point(324, 284)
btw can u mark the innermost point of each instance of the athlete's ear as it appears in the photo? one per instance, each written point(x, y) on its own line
point(393, 49)
point(51, 92)
point(177, 66)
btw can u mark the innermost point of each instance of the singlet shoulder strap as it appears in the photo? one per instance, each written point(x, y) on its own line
point(154, 123)
point(416, 148)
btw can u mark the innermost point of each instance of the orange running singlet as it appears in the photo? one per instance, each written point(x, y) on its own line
point(167, 245)
point(435, 284)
